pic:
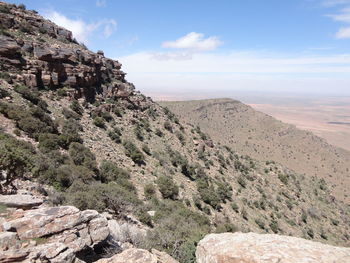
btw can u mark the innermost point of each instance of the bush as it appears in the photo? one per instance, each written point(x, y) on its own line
point(31, 95)
point(260, 223)
point(167, 126)
point(111, 172)
point(283, 178)
point(181, 137)
point(134, 153)
point(167, 187)
point(208, 194)
point(4, 9)
point(159, 132)
point(149, 191)
point(274, 226)
point(75, 106)
point(99, 122)
point(115, 135)
point(70, 133)
point(68, 114)
point(4, 93)
point(138, 133)
point(100, 197)
point(49, 142)
point(81, 155)
point(16, 158)
point(177, 230)
point(22, 6)
point(235, 207)
point(242, 182)
point(146, 149)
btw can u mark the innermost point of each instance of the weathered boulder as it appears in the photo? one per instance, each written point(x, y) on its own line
point(163, 257)
point(61, 233)
point(8, 240)
point(266, 248)
point(20, 201)
point(132, 255)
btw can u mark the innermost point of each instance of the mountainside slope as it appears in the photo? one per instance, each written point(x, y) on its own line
point(260, 136)
point(69, 119)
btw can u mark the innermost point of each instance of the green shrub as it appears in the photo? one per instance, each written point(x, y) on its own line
point(274, 226)
point(68, 114)
point(181, 137)
point(75, 106)
point(115, 134)
point(224, 191)
point(49, 142)
point(32, 95)
point(138, 133)
point(242, 182)
point(134, 153)
point(226, 227)
point(159, 132)
point(283, 178)
point(149, 191)
point(208, 193)
point(99, 122)
point(146, 149)
point(167, 126)
point(167, 187)
point(4, 9)
point(111, 172)
point(260, 223)
point(81, 155)
point(100, 197)
point(177, 230)
point(16, 157)
point(235, 207)
point(4, 93)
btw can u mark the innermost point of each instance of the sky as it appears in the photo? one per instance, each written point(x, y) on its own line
point(203, 48)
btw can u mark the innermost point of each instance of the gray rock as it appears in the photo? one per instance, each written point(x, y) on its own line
point(20, 201)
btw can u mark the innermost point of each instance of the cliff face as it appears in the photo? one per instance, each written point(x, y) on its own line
point(43, 55)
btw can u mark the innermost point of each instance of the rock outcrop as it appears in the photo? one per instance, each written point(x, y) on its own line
point(266, 248)
point(55, 234)
point(40, 54)
point(20, 201)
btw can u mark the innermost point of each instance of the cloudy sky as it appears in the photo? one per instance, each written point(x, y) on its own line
point(216, 48)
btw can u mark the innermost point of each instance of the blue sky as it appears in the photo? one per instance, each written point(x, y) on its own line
point(169, 48)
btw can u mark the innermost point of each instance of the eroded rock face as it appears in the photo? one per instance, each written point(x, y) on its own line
point(40, 54)
point(62, 232)
point(266, 248)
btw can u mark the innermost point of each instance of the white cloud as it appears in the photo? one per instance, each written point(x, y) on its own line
point(80, 29)
point(101, 3)
point(343, 32)
point(222, 73)
point(330, 3)
point(342, 16)
point(194, 42)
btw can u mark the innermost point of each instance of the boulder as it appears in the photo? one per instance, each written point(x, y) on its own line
point(163, 257)
point(266, 248)
point(49, 220)
point(131, 255)
point(20, 201)
point(9, 240)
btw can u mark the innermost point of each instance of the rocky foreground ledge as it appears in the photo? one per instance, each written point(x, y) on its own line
point(266, 248)
point(66, 234)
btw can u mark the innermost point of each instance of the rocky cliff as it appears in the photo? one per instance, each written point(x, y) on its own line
point(43, 55)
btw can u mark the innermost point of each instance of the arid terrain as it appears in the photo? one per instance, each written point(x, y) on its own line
point(327, 118)
point(261, 136)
